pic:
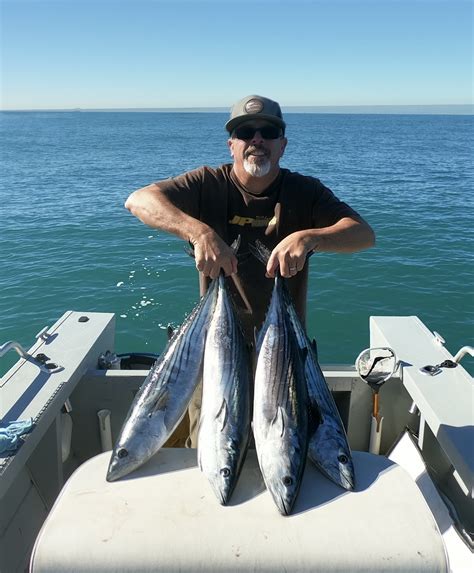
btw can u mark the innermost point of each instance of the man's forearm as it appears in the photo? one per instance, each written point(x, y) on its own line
point(346, 236)
point(157, 211)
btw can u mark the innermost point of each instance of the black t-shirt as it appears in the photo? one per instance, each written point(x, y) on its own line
point(292, 202)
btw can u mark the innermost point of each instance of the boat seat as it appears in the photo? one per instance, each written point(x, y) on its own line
point(164, 517)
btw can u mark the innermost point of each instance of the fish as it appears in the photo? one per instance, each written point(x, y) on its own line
point(165, 394)
point(280, 418)
point(224, 427)
point(328, 446)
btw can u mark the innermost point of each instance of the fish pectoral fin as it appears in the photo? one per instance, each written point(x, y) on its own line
point(278, 422)
point(222, 415)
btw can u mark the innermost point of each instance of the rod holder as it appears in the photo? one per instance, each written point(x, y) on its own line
point(105, 430)
point(375, 435)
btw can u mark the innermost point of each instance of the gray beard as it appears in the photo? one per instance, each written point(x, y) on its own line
point(257, 170)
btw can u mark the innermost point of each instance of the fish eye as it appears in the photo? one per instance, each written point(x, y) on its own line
point(287, 481)
point(225, 472)
point(122, 453)
point(343, 459)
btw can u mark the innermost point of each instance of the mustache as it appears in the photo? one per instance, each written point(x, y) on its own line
point(254, 148)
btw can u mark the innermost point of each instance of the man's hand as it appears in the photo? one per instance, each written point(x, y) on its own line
point(348, 235)
point(212, 254)
point(290, 254)
point(156, 210)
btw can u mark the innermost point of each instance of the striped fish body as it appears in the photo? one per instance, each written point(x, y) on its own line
point(165, 394)
point(225, 411)
point(280, 419)
point(328, 445)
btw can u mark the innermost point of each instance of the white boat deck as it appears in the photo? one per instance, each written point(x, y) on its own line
point(165, 518)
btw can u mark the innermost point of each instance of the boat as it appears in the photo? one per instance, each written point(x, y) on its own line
point(412, 439)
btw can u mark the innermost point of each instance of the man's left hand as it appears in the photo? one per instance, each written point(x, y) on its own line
point(290, 254)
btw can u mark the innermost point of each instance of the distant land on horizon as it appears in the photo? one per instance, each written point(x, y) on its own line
point(441, 109)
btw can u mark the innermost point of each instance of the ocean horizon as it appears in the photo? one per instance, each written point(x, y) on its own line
point(409, 109)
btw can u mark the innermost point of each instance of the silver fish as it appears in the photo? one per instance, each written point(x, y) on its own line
point(225, 411)
point(165, 394)
point(328, 445)
point(280, 420)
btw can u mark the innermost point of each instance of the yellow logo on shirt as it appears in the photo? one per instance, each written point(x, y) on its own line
point(253, 222)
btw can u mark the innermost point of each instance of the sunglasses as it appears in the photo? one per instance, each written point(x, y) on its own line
point(268, 132)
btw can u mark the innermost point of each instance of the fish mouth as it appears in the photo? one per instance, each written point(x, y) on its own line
point(116, 472)
point(346, 473)
point(112, 475)
point(283, 506)
point(344, 480)
point(347, 481)
point(222, 494)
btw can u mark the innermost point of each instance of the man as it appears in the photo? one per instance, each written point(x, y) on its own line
point(255, 198)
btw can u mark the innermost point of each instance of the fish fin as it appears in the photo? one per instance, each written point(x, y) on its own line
point(304, 353)
point(223, 414)
point(189, 250)
point(238, 286)
point(274, 223)
point(314, 346)
point(260, 252)
point(278, 422)
point(236, 244)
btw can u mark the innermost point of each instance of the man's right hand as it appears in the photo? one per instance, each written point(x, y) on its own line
point(154, 209)
point(212, 254)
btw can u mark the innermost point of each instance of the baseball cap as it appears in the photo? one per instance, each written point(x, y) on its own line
point(255, 107)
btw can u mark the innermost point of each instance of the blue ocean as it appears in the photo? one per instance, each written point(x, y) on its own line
point(67, 243)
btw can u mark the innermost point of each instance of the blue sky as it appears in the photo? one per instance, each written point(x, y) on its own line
point(153, 53)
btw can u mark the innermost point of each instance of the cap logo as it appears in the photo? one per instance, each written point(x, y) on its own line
point(253, 106)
